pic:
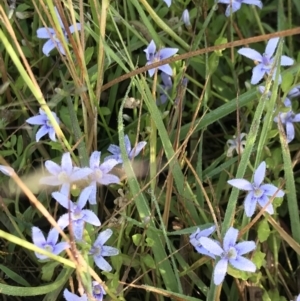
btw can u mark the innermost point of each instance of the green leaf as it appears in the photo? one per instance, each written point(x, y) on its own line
point(105, 111)
point(259, 259)
point(48, 270)
point(287, 82)
point(88, 53)
point(148, 261)
point(20, 145)
point(263, 230)
point(137, 239)
point(14, 276)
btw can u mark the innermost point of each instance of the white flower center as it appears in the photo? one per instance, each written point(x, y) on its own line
point(48, 248)
point(258, 192)
point(63, 177)
point(232, 254)
point(98, 174)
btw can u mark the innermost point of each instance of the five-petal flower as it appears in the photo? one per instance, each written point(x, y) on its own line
point(234, 5)
point(53, 40)
point(100, 174)
point(77, 216)
point(98, 250)
point(257, 192)
point(153, 57)
point(195, 240)
point(266, 61)
point(46, 127)
point(50, 244)
point(231, 252)
point(65, 174)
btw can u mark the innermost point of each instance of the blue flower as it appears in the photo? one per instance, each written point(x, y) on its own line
point(266, 61)
point(53, 40)
point(153, 57)
point(287, 119)
point(237, 144)
point(98, 250)
point(100, 174)
point(131, 152)
point(46, 127)
point(77, 216)
point(8, 171)
point(195, 240)
point(231, 253)
point(72, 297)
point(166, 86)
point(234, 5)
point(294, 92)
point(168, 2)
point(98, 291)
point(65, 174)
point(50, 244)
point(186, 18)
point(257, 192)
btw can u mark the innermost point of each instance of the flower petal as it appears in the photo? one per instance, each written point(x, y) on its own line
point(52, 167)
point(259, 174)
point(114, 149)
point(245, 247)
point(250, 204)
point(102, 264)
point(271, 47)
point(290, 131)
point(63, 221)
point(60, 247)
point(250, 54)
point(165, 53)
point(243, 264)
point(150, 50)
point(72, 28)
point(8, 171)
point(90, 217)
point(211, 246)
point(51, 181)
point(95, 159)
point(257, 74)
point(286, 61)
point(241, 184)
point(262, 201)
point(103, 237)
point(230, 238)
point(92, 197)
point(109, 251)
point(37, 120)
point(137, 149)
point(41, 132)
point(166, 69)
point(66, 163)
point(38, 237)
point(45, 32)
point(253, 2)
point(271, 189)
point(48, 46)
point(62, 199)
point(52, 236)
point(83, 197)
point(80, 174)
point(220, 271)
point(108, 179)
point(108, 165)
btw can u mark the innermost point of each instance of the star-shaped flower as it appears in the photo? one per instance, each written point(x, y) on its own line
point(46, 127)
point(257, 192)
point(266, 61)
point(131, 152)
point(53, 40)
point(99, 250)
point(237, 144)
point(77, 216)
point(72, 297)
point(153, 57)
point(287, 119)
point(100, 174)
point(65, 174)
point(195, 240)
point(234, 5)
point(231, 253)
point(50, 244)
